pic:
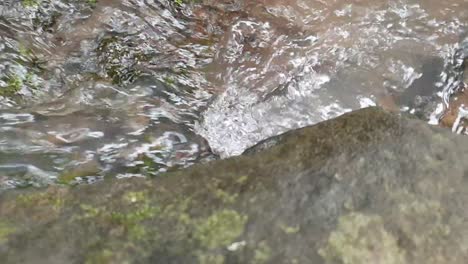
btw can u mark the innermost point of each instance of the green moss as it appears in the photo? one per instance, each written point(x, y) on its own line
point(169, 80)
point(103, 257)
point(149, 166)
point(220, 229)
point(5, 230)
point(24, 51)
point(241, 180)
point(289, 229)
point(178, 211)
point(91, 2)
point(139, 232)
point(262, 253)
point(225, 197)
point(362, 238)
point(132, 222)
point(29, 79)
point(135, 197)
point(29, 3)
point(131, 218)
point(181, 2)
point(424, 222)
point(204, 258)
point(68, 177)
point(53, 198)
point(13, 86)
point(89, 211)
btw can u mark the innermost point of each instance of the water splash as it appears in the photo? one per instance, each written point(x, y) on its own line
point(133, 88)
point(321, 62)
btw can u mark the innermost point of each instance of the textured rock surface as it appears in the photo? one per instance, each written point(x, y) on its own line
point(368, 187)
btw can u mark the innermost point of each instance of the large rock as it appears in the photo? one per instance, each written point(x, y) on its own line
point(367, 187)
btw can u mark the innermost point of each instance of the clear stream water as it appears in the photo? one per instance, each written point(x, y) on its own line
point(126, 88)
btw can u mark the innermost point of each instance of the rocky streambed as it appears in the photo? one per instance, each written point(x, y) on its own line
point(366, 187)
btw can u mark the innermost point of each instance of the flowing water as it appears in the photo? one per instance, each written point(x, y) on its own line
point(128, 88)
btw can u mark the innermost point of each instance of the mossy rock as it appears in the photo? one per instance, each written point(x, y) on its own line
point(367, 187)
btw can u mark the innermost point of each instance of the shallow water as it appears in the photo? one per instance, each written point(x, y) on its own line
point(138, 87)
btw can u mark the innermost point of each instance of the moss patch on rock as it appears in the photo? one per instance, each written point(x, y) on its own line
point(362, 238)
point(12, 87)
point(53, 198)
point(339, 192)
point(220, 229)
point(262, 253)
point(6, 229)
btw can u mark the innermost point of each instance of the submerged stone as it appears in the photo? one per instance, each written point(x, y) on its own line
point(367, 187)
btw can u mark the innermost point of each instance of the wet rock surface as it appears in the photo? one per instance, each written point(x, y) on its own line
point(367, 187)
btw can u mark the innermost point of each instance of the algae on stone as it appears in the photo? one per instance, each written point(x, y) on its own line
point(288, 194)
point(6, 229)
point(262, 253)
point(220, 229)
point(289, 229)
point(361, 238)
point(423, 223)
point(225, 197)
point(104, 257)
point(13, 86)
point(207, 258)
point(135, 197)
point(90, 168)
point(53, 198)
point(129, 218)
point(29, 3)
